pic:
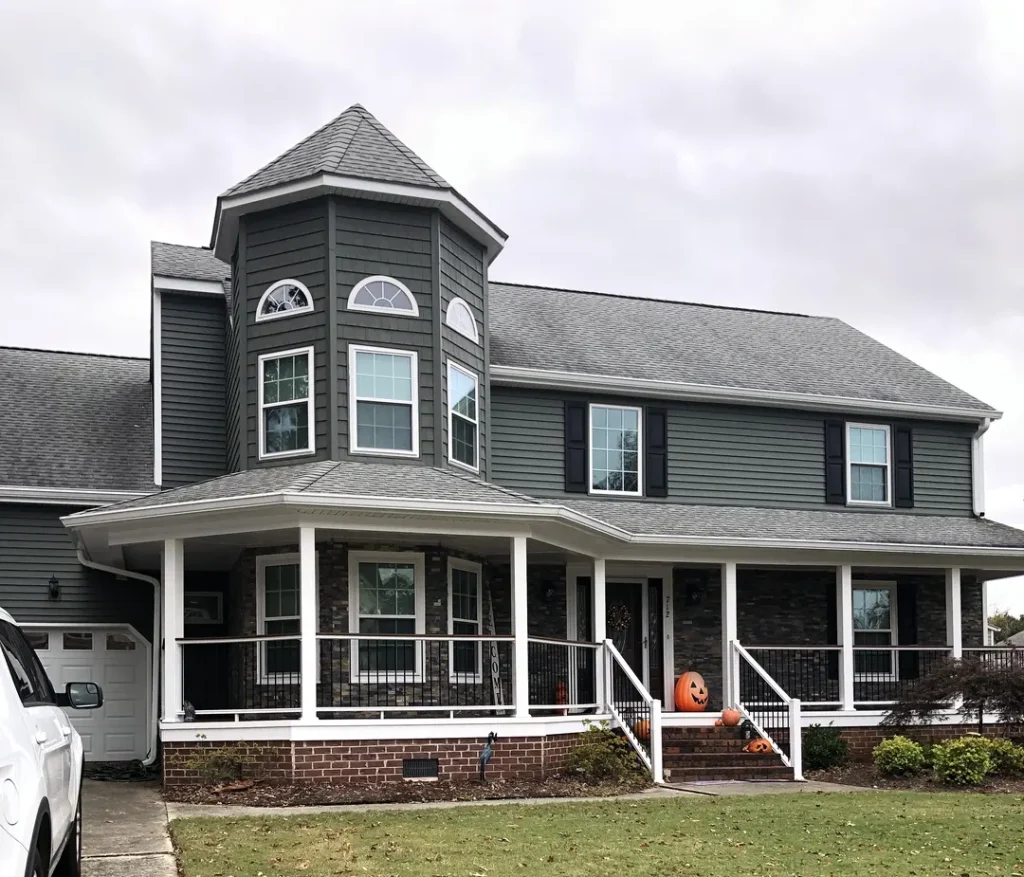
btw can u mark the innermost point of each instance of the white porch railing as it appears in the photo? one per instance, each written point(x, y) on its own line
point(633, 710)
point(773, 713)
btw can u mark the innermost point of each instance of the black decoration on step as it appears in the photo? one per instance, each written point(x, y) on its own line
point(486, 755)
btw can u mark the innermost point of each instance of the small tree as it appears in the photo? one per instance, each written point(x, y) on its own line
point(975, 685)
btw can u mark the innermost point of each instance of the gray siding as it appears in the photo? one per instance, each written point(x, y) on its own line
point(723, 455)
point(35, 546)
point(193, 387)
point(233, 329)
point(462, 276)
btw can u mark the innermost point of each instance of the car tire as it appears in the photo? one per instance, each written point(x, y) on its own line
point(37, 868)
point(70, 864)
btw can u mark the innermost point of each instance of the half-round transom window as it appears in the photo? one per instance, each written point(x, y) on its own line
point(383, 294)
point(284, 298)
point(460, 318)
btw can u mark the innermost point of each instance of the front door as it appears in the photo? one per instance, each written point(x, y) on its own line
point(625, 622)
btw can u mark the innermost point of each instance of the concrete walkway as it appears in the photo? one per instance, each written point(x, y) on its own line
point(767, 787)
point(125, 831)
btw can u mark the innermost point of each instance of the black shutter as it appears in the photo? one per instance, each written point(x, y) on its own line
point(656, 452)
point(835, 462)
point(906, 628)
point(832, 622)
point(903, 466)
point(576, 447)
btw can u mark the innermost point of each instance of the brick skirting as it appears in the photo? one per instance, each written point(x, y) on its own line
point(863, 740)
point(374, 761)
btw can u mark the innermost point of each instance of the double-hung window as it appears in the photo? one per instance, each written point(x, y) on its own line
point(464, 618)
point(386, 596)
point(615, 449)
point(868, 464)
point(874, 624)
point(383, 401)
point(286, 403)
point(278, 613)
point(463, 418)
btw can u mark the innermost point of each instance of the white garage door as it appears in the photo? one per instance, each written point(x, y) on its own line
point(117, 659)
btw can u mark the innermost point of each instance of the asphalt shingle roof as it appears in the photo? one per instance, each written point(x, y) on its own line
point(591, 333)
point(355, 144)
point(75, 420)
point(187, 263)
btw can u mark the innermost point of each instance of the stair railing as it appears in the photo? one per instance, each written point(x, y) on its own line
point(773, 713)
point(633, 710)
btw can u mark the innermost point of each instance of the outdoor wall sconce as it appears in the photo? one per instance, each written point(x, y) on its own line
point(54, 584)
point(694, 592)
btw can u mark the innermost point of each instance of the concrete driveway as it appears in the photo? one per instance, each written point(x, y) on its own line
point(125, 831)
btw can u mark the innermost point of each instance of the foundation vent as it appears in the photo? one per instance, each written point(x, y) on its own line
point(419, 769)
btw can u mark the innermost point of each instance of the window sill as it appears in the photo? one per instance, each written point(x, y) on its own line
point(387, 678)
point(280, 679)
point(630, 493)
point(373, 452)
point(458, 464)
point(466, 678)
point(284, 455)
point(868, 503)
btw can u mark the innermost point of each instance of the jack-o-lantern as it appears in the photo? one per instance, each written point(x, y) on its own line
point(691, 693)
point(642, 729)
point(760, 746)
point(731, 718)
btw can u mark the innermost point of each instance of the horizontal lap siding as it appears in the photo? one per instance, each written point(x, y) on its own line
point(193, 399)
point(942, 468)
point(393, 241)
point(287, 244)
point(462, 276)
point(527, 441)
point(34, 546)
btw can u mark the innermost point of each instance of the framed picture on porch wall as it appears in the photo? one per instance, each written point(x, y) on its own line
point(204, 607)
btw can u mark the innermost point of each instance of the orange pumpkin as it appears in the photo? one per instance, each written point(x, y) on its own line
point(759, 745)
point(691, 693)
point(718, 723)
point(731, 718)
point(642, 729)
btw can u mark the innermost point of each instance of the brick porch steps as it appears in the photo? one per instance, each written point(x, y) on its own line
point(708, 754)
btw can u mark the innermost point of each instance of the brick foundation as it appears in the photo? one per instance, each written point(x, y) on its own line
point(863, 740)
point(376, 761)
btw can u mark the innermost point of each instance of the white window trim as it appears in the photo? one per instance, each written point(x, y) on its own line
point(889, 586)
point(639, 451)
point(457, 302)
point(451, 414)
point(888, 466)
point(352, 306)
point(262, 562)
point(353, 408)
point(310, 407)
point(419, 577)
point(262, 318)
point(475, 568)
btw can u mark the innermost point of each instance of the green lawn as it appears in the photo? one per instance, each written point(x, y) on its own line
point(846, 835)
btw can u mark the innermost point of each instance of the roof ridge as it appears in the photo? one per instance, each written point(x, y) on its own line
point(72, 352)
point(360, 112)
point(476, 479)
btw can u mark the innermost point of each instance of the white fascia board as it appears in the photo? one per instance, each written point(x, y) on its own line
point(158, 406)
point(545, 378)
point(65, 495)
point(178, 284)
point(450, 202)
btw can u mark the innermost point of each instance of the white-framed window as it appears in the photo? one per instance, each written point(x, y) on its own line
point(463, 417)
point(278, 613)
point(383, 401)
point(615, 445)
point(868, 464)
point(379, 293)
point(874, 624)
point(465, 613)
point(284, 299)
point(386, 596)
point(459, 317)
point(286, 403)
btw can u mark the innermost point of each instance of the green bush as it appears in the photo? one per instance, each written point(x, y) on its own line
point(898, 756)
point(1006, 758)
point(602, 756)
point(963, 762)
point(824, 748)
point(224, 764)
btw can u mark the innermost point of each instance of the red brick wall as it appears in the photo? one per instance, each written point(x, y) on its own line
point(375, 761)
point(863, 740)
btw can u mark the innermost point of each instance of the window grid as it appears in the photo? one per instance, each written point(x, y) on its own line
point(281, 616)
point(868, 464)
point(379, 293)
point(286, 403)
point(874, 624)
point(284, 299)
point(383, 401)
point(463, 417)
point(459, 318)
point(614, 449)
point(465, 613)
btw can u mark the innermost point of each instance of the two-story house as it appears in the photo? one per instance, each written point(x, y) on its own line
point(364, 505)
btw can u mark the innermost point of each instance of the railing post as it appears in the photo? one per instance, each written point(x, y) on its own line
point(657, 755)
point(174, 626)
point(733, 672)
point(844, 629)
point(796, 740)
point(308, 622)
point(729, 632)
point(600, 631)
point(954, 613)
point(520, 624)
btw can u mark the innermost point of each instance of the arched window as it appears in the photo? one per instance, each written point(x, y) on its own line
point(460, 318)
point(383, 294)
point(282, 299)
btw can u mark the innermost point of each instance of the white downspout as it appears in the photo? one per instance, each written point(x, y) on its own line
point(978, 466)
point(155, 651)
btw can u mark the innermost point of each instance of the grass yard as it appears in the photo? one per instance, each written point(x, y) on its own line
point(846, 835)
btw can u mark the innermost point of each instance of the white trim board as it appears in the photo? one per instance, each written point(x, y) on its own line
point(158, 407)
point(181, 284)
point(67, 495)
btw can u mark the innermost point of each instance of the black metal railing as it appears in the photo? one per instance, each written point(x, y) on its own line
point(562, 675)
point(225, 677)
point(1003, 657)
point(884, 675)
point(810, 674)
point(409, 676)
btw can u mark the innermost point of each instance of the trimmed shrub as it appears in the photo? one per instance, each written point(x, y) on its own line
point(1007, 759)
point(898, 756)
point(602, 756)
point(963, 762)
point(824, 748)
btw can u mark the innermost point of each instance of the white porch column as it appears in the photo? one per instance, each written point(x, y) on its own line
point(308, 621)
point(174, 626)
point(730, 668)
point(954, 619)
point(600, 627)
point(844, 628)
point(520, 629)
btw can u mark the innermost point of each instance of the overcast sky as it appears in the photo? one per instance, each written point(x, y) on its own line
point(858, 159)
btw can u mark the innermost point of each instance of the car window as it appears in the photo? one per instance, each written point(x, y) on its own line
point(28, 674)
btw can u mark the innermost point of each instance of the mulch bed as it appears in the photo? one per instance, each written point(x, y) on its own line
point(867, 776)
point(265, 794)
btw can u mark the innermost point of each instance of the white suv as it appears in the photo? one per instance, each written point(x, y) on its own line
point(40, 764)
